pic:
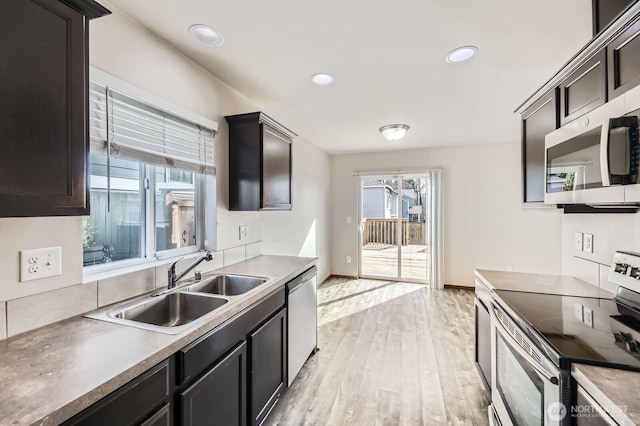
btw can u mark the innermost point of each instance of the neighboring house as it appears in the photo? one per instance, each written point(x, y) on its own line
point(380, 200)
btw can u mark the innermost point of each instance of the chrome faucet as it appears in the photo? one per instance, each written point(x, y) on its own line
point(173, 278)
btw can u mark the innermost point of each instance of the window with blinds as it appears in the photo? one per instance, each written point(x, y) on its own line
point(123, 127)
point(152, 175)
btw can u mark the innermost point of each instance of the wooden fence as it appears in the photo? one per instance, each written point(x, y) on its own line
point(385, 231)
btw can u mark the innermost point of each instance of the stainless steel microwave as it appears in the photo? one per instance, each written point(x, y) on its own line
point(592, 159)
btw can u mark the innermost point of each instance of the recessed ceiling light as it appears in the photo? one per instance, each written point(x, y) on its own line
point(206, 35)
point(322, 79)
point(461, 54)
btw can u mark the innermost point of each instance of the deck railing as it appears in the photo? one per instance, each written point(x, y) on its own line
point(385, 231)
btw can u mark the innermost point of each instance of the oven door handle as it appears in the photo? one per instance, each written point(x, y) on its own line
point(553, 378)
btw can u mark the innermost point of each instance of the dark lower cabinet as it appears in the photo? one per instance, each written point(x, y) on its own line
point(231, 376)
point(219, 396)
point(623, 57)
point(483, 342)
point(161, 418)
point(216, 373)
point(267, 357)
point(146, 400)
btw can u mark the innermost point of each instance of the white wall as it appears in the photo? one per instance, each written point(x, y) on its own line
point(304, 231)
point(611, 232)
point(485, 223)
point(121, 47)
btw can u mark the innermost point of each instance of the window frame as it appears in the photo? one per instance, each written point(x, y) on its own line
point(148, 252)
point(205, 194)
point(199, 194)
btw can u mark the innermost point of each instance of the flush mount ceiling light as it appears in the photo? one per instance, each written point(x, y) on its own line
point(322, 79)
point(394, 132)
point(461, 54)
point(206, 35)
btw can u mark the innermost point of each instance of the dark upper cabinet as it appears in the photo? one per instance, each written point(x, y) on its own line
point(538, 120)
point(623, 57)
point(260, 163)
point(43, 113)
point(584, 89)
point(268, 360)
point(605, 11)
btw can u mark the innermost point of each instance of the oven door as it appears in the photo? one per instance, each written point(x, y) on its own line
point(526, 385)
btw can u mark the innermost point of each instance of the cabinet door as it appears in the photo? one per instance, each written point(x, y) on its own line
point(267, 355)
point(161, 418)
point(624, 61)
point(133, 402)
point(537, 121)
point(584, 89)
point(218, 397)
point(276, 170)
point(43, 113)
point(605, 11)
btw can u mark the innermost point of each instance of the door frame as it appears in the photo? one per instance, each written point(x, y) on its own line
point(400, 176)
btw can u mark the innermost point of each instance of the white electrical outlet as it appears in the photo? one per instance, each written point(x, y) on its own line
point(578, 241)
point(348, 259)
point(588, 243)
point(578, 311)
point(348, 219)
point(40, 263)
point(508, 268)
point(244, 232)
point(588, 317)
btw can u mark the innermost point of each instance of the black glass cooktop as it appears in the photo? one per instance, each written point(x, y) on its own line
point(612, 339)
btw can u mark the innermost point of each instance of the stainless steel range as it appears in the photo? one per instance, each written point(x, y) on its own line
point(536, 337)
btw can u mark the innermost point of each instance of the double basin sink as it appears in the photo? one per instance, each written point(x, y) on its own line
point(180, 308)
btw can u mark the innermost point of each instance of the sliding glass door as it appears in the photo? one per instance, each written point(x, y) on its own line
point(393, 231)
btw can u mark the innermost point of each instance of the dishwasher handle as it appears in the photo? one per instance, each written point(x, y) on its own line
point(298, 281)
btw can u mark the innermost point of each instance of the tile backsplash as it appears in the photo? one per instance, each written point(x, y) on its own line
point(30, 312)
point(41, 309)
point(122, 287)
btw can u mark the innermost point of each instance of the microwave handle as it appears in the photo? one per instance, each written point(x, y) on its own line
point(630, 123)
point(553, 378)
point(604, 153)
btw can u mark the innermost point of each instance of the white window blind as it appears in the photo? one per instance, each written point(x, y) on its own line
point(124, 127)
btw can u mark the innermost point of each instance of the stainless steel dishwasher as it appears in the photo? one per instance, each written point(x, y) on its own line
point(302, 321)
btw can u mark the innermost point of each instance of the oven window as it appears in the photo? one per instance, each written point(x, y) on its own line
point(520, 387)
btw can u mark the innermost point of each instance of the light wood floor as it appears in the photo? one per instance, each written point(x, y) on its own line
point(390, 354)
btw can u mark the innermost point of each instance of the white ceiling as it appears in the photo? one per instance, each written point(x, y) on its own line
point(388, 60)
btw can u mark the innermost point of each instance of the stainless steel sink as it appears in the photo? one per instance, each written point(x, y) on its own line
point(227, 285)
point(170, 313)
point(171, 310)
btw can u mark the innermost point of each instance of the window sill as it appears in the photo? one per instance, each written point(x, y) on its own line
point(102, 272)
